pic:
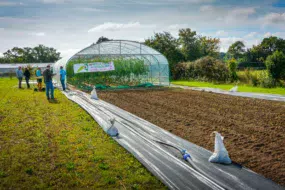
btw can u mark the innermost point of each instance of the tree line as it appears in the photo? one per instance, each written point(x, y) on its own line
point(38, 54)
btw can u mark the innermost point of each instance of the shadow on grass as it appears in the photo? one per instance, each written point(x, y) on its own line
point(54, 101)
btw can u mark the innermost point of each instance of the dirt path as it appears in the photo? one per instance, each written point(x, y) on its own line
point(254, 129)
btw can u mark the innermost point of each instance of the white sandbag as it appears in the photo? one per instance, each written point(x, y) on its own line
point(94, 94)
point(221, 154)
point(234, 89)
point(112, 131)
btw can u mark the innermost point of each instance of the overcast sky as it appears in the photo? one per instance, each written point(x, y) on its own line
point(70, 25)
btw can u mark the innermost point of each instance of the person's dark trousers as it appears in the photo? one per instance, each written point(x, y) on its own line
point(62, 84)
point(20, 81)
point(27, 81)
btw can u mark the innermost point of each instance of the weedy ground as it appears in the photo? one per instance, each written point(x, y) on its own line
point(55, 145)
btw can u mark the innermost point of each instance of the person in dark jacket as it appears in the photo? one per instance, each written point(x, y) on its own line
point(48, 81)
point(27, 75)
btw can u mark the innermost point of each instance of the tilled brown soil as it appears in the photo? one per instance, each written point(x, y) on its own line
point(254, 129)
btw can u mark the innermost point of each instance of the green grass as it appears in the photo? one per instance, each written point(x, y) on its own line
point(241, 88)
point(58, 145)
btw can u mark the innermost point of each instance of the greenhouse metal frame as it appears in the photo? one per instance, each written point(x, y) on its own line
point(156, 62)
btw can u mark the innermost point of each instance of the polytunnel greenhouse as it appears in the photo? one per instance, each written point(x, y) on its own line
point(134, 64)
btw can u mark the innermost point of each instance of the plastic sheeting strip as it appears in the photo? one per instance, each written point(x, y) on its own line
point(274, 97)
point(138, 137)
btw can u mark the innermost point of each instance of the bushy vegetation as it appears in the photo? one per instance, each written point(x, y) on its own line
point(189, 46)
point(127, 72)
point(204, 69)
point(232, 66)
point(275, 64)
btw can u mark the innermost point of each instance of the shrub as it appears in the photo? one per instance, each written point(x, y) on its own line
point(232, 66)
point(275, 64)
point(205, 69)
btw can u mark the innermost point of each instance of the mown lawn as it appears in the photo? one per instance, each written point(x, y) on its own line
point(59, 146)
point(241, 88)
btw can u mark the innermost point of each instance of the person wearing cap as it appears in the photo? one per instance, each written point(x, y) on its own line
point(39, 80)
point(62, 77)
point(27, 75)
point(19, 74)
point(48, 81)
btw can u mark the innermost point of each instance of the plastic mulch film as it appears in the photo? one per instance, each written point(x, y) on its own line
point(159, 151)
point(274, 97)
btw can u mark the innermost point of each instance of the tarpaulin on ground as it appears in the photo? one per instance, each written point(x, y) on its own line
point(141, 138)
point(274, 97)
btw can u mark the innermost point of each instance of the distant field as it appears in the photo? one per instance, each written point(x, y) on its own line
point(241, 88)
point(57, 145)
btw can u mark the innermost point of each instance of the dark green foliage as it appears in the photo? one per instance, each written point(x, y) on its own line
point(188, 47)
point(254, 65)
point(102, 39)
point(236, 50)
point(166, 44)
point(38, 54)
point(205, 69)
point(276, 65)
point(232, 66)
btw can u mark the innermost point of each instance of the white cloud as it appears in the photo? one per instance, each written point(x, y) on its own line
point(251, 35)
point(268, 34)
point(68, 52)
point(222, 33)
point(53, 1)
point(226, 42)
point(88, 9)
point(38, 34)
point(110, 26)
point(279, 34)
point(239, 14)
point(206, 8)
point(275, 18)
point(177, 26)
point(8, 3)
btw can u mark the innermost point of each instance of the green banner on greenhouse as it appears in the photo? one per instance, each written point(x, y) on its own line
point(93, 67)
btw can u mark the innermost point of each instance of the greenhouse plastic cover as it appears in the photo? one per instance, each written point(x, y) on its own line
point(274, 97)
point(141, 138)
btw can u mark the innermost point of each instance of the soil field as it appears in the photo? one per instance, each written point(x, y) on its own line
point(254, 129)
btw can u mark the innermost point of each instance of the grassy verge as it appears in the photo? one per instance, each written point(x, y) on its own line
point(241, 88)
point(58, 145)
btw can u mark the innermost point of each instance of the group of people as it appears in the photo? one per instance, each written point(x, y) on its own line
point(47, 75)
point(20, 75)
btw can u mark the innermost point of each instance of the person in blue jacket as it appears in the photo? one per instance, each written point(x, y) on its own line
point(62, 73)
point(19, 74)
point(39, 79)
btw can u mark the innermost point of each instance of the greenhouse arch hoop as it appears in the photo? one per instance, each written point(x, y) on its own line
point(156, 63)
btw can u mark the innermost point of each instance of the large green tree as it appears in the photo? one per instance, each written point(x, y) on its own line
point(275, 64)
point(166, 44)
point(190, 44)
point(236, 50)
point(38, 54)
